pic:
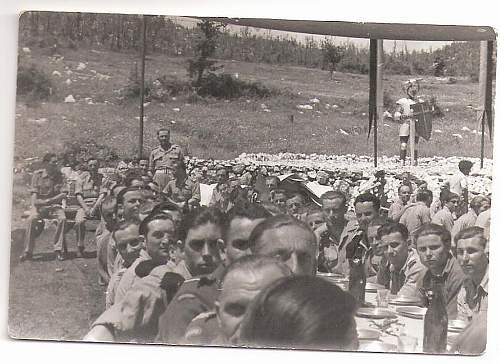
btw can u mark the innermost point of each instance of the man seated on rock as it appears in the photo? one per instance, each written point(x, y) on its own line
point(402, 269)
point(433, 244)
point(472, 257)
point(241, 283)
point(399, 206)
point(445, 217)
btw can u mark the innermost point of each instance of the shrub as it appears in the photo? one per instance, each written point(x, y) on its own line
point(84, 149)
point(33, 83)
point(225, 86)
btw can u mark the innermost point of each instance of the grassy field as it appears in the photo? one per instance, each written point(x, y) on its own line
point(220, 129)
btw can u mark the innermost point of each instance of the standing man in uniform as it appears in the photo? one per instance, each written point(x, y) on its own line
point(164, 158)
point(47, 196)
point(403, 115)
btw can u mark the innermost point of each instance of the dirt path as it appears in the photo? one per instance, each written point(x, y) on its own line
point(49, 299)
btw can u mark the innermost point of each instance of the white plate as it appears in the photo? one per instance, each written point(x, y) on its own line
point(456, 325)
point(405, 301)
point(373, 287)
point(368, 334)
point(412, 312)
point(375, 313)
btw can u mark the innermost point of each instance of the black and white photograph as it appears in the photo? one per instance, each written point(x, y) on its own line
point(252, 183)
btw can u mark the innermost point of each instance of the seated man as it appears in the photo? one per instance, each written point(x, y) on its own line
point(241, 283)
point(136, 315)
point(288, 239)
point(433, 244)
point(129, 247)
point(294, 206)
point(183, 191)
point(47, 197)
point(399, 206)
point(444, 217)
point(417, 214)
point(478, 204)
point(471, 255)
point(89, 196)
point(402, 269)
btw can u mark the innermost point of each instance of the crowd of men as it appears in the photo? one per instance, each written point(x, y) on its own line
point(243, 270)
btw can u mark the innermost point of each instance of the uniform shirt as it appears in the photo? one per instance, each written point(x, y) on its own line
point(472, 299)
point(88, 186)
point(204, 329)
point(44, 185)
point(406, 278)
point(135, 318)
point(463, 222)
point(453, 279)
point(483, 219)
point(444, 217)
point(195, 296)
point(350, 230)
point(415, 216)
point(220, 199)
point(129, 277)
point(458, 183)
point(396, 210)
point(404, 107)
point(165, 159)
point(187, 190)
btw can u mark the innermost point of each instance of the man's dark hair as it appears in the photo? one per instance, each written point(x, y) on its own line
point(434, 229)
point(391, 228)
point(199, 217)
point(248, 210)
point(331, 195)
point(163, 129)
point(119, 198)
point(48, 156)
point(301, 312)
point(465, 165)
point(144, 226)
point(368, 197)
point(424, 195)
point(405, 185)
point(471, 232)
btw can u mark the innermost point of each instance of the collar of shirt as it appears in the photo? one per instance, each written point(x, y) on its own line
point(450, 262)
point(412, 255)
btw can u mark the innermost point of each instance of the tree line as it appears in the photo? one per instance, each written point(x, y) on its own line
point(118, 32)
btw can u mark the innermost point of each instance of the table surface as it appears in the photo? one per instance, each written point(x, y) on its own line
point(411, 326)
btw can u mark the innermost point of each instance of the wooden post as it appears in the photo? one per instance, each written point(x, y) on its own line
point(372, 102)
point(485, 90)
point(379, 96)
point(141, 93)
point(412, 141)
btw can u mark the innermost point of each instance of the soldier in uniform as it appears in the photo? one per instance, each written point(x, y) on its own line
point(403, 114)
point(201, 234)
point(89, 196)
point(164, 158)
point(402, 268)
point(47, 199)
point(183, 191)
point(241, 283)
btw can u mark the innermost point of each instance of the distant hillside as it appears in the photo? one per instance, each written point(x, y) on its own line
point(122, 33)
